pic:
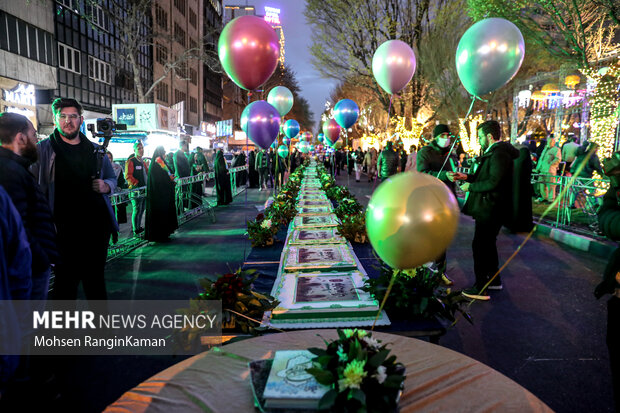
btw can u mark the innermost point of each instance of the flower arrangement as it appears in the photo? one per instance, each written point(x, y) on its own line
point(283, 210)
point(348, 207)
point(236, 293)
point(361, 373)
point(416, 293)
point(261, 231)
point(353, 228)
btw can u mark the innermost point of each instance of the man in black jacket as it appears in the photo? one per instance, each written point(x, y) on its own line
point(80, 203)
point(387, 163)
point(489, 202)
point(18, 151)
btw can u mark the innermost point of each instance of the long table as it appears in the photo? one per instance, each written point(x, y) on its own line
point(437, 379)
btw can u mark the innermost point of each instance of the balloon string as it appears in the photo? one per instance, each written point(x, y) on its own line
point(245, 203)
point(543, 215)
point(473, 100)
point(387, 293)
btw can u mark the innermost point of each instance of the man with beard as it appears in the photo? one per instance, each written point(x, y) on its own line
point(489, 202)
point(78, 198)
point(18, 151)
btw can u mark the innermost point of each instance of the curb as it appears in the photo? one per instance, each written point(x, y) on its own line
point(601, 249)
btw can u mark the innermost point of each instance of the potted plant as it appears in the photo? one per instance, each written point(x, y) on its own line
point(353, 228)
point(416, 294)
point(361, 373)
point(237, 296)
point(347, 207)
point(261, 231)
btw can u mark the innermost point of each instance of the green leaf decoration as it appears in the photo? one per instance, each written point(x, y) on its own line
point(328, 400)
point(376, 360)
point(322, 376)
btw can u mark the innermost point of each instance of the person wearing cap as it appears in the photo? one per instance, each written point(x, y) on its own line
point(437, 159)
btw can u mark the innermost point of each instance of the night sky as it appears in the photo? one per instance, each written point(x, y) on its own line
point(297, 37)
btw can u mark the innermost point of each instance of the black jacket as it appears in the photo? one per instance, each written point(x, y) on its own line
point(431, 158)
point(609, 224)
point(490, 189)
point(593, 164)
point(387, 163)
point(32, 206)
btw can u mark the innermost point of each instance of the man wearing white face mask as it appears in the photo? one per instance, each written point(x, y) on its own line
point(430, 160)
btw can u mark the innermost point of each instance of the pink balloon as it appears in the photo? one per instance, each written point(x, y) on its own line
point(331, 129)
point(393, 65)
point(249, 50)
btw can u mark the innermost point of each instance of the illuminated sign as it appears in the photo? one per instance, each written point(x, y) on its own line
point(224, 128)
point(24, 112)
point(16, 97)
point(22, 95)
point(272, 16)
point(208, 128)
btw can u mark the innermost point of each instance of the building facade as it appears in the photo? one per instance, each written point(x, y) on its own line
point(187, 30)
point(92, 63)
point(28, 59)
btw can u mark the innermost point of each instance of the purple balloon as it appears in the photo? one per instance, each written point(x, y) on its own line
point(393, 65)
point(261, 122)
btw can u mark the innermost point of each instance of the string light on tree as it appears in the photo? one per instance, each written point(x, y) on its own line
point(407, 136)
point(470, 140)
point(604, 105)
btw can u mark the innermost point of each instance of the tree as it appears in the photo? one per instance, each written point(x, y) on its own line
point(285, 76)
point(447, 99)
point(132, 22)
point(579, 31)
point(346, 33)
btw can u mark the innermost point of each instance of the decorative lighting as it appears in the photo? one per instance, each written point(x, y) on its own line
point(604, 102)
point(470, 140)
point(524, 98)
point(550, 88)
point(572, 81)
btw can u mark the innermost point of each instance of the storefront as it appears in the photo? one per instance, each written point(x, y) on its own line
point(18, 97)
point(156, 124)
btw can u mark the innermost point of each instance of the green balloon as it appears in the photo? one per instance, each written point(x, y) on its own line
point(283, 151)
point(411, 219)
point(489, 54)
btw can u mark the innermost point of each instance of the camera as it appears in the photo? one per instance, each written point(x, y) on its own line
point(106, 127)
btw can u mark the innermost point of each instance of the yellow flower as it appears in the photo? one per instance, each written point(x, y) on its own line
point(348, 332)
point(353, 375)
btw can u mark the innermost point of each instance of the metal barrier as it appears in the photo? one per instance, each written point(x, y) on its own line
point(190, 202)
point(581, 195)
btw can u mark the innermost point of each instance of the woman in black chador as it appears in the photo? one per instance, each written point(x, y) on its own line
point(222, 180)
point(161, 212)
point(253, 173)
point(242, 176)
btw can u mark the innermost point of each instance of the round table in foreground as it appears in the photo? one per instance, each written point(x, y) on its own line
point(438, 379)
